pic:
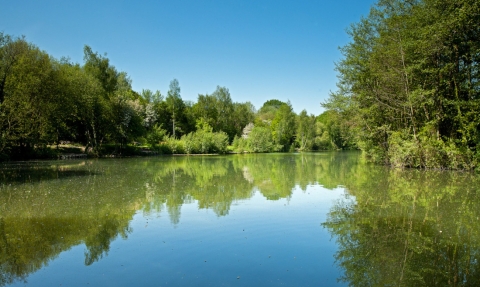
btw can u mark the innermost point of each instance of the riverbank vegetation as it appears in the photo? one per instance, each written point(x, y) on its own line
point(408, 96)
point(409, 90)
point(49, 106)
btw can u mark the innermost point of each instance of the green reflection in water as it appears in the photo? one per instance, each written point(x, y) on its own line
point(404, 228)
point(48, 207)
point(408, 228)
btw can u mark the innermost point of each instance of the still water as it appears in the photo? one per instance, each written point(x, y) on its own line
point(312, 219)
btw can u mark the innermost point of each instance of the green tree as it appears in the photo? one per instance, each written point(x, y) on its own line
point(99, 67)
point(128, 113)
point(206, 108)
point(10, 51)
point(243, 114)
point(409, 74)
point(151, 113)
point(176, 109)
point(267, 112)
point(225, 109)
point(305, 134)
point(283, 126)
point(106, 107)
point(31, 97)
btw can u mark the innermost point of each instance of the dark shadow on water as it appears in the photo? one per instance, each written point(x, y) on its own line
point(19, 173)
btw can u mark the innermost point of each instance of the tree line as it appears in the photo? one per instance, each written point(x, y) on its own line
point(409, 91)
point(45, 102)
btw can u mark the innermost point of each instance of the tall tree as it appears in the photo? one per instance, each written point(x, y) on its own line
point(176, 108)
point(224, 107)
point(305, 134)
point(284, 126)
point(267, 112)
point(206, 108)
point(28, 91)
point(99, 67)
point(10, 51)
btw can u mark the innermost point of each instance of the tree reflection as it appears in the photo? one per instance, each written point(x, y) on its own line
point(408, 228)
point(402, 227)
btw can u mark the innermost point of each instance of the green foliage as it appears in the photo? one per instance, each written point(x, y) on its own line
point(175, 106)
point(224, 107)
point(29, 98)
point(222, 114)
point(174, 145)
point(403, 150)
point(45, 101)
point(202, 141)
point(206, 108)
point(240, 145)
point(337, 127)
point(260, 140)
point(275, 104)
point(427, 152)
point(284, 127)
point(409, 84)
point(267, 112)
point(322, 140)
point(305, 135)
point(243, 114)
point(156, 135)
point(99, 67)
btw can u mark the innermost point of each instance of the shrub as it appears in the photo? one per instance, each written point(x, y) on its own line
point(260, 140)
point(459, 156)
point(427, 151)
point(403, 151)
point(240, 144)
point(156, 135)
point(174, 145)
point(202, 141)
point(220, 142)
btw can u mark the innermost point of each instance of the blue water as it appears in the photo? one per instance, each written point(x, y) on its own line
point(259, 243)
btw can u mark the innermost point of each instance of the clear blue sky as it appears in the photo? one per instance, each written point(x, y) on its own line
point(259, 50)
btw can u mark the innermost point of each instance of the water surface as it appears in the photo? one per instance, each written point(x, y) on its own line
point(314, 219)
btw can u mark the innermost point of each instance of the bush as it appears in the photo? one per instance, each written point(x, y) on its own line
point(240, 144)
point(427, 151)
point(403, 151)
point(220, 142)
point(156, 135)
point(174, 145)
point(235, 142)
point(163, 148)
point(260, 140)
point(202, 141)
point(189, 144)
point(460, 157)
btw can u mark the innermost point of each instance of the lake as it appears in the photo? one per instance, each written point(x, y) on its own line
point(307, 219)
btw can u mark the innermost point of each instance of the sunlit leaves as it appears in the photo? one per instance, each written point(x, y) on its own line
point(411, 69)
